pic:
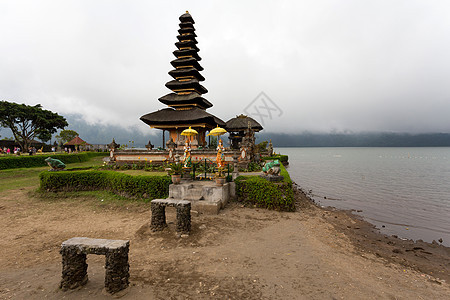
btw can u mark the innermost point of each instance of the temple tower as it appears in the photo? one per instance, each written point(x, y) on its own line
point(187, 107)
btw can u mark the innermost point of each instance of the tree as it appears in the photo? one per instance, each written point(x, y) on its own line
point(28, 122)
point(66, 135)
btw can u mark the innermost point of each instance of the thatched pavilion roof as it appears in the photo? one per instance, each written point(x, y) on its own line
point(240, 123)
point(76, 141)
point(170, 116)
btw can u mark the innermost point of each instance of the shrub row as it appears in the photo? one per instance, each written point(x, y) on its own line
point(282, 158)
point(28, 161)
point(285, 174)
point(262, 193)
point(145, 187)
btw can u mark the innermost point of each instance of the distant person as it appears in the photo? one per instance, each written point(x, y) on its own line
point(8, 151)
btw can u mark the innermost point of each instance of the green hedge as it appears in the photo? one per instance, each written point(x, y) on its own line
point(281, 158)
point(285, 174)
point(147, 187)
point(38, 160)
point(262, 193)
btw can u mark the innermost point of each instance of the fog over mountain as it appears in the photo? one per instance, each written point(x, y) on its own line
point(103, 134)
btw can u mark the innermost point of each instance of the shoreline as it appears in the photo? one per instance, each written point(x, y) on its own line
point(432, 259)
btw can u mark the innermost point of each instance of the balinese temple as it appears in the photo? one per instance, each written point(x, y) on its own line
point(187, 107)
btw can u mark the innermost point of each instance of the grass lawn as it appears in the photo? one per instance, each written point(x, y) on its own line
point(29, 177)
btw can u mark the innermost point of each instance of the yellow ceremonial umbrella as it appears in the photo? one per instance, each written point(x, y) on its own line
point(217, 131)
point(189, 132)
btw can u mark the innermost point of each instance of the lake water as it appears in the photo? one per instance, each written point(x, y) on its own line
point(405, 189)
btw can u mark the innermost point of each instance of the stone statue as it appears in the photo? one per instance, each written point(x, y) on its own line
point(272, 168)
point(55, 164)
point(171, 144)
point(187, 155)
point(149, 146)
point(270, 148)
point(247, 145)
point(220, 159)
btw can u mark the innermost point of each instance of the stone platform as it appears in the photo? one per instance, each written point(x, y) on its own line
point(205, 196)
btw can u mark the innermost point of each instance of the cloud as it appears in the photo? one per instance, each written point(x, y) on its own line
point(359, 66)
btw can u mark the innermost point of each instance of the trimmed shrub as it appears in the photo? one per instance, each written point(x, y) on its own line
point(285, 174)
point(29, 161)
point(146, 187)
point(282, 158)
point(262, 193)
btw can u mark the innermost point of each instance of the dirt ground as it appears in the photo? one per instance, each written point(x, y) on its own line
point(242, 253)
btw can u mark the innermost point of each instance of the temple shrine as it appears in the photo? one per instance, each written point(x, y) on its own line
point(186, 112)
point(187, 107)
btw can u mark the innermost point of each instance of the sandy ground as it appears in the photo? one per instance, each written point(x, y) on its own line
point(242, 253)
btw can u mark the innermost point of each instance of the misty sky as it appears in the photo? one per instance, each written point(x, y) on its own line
point(322, 65)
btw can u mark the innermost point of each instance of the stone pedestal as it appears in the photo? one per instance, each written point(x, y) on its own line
point(74, 266)
point(158, 221)
point(158, 207)
point(186, 175)
point(184, 218)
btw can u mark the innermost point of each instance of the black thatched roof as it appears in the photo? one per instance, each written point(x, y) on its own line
point(187, 37)
point(186, 33)
point(186, 25)
point(184, 72)
point(187, 44)
point(183, 62)
point(188, 84)
point(240, 123)
point(170, 116)
point(186, 18)
point(187, 30)
point(179, 100)
point(187, 52)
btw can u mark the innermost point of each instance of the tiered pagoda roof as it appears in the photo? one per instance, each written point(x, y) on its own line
point(186, 97)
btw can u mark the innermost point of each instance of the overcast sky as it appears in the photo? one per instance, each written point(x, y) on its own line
point(322, 65)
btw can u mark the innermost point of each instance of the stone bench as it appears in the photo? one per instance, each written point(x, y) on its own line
point(158, 207)
point(74, 266)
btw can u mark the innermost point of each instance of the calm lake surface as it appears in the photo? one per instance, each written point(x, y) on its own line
point(405, 189)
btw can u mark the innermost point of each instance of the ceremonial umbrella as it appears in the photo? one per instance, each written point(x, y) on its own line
point(189, 132)
point(217, 131)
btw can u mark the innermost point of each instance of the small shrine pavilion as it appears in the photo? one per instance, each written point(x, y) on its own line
point(187, 107)
point(237, 128)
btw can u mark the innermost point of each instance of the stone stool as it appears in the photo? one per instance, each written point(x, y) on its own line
point(74, 266)
point(158, 207)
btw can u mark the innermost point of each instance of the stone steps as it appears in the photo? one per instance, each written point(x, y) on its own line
point(205, 197)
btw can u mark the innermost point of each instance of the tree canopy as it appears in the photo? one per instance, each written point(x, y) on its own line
point(28, 122)
point(66, 135)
